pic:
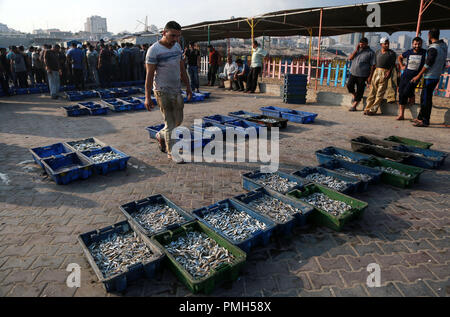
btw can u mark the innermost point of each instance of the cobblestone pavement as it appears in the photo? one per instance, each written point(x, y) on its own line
point(407, 232)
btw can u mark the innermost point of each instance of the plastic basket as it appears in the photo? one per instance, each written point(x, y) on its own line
point(109, 166)
point(54, 150)
point(411, 142)
point(250, 181)
point(325, 155)
point(67, 168)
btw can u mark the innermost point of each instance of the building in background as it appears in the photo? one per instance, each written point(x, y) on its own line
point(404, 41)
point(96, 25)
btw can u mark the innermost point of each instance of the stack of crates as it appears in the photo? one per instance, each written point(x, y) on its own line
point(294, 90)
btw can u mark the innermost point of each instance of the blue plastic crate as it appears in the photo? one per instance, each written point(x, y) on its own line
point(95, 109)
point(195, 141)
point(153, 130)
point(240, 127)
point(250, 181)
point(74, 96)
point(375, 175)
point(259, 237)
point(353, 183)
point(325, 155)
point(136, 104)
point(285, 228)
point(297, 116)
point(40, 153)
point(104, 94)
point(131, 208)
point(426, 158)
point(241, 114)
point(211, 126)
point(120, 281)
point(116, 105)
point(198, 96)
point(75, 111)
point(99, 143)
point(68, 168)
point(218, 118)
point(110, 166)
point(206, 94)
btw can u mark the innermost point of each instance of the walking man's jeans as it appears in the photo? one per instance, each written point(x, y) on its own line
point(360, 83)
point(426, 100)
point(252, 80)
point(193, 76)
point(171, 105)
point(212, 72)
point(53, 82)
point(78, 78)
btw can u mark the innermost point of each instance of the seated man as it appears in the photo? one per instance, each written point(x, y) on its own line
point(228, 72)
point(240, 77)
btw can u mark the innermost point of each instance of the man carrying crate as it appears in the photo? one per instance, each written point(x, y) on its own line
point(165, 70)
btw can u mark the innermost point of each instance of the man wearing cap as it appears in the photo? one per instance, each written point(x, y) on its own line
point(385, 61)
point(363, 65)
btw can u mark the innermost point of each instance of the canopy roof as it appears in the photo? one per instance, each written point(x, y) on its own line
point(396, 15)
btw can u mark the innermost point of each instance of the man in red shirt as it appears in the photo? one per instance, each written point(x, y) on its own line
point(213, 65)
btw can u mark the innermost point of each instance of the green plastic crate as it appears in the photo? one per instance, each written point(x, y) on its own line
point(323, 218)
point(226, 272)
point(396, 180)
point(411, 142)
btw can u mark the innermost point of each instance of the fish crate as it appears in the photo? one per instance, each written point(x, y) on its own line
point(119, 92)
point(211, 127)
point(218, 118)
point(97, 144)
point(292, 115)
point(197, 141)
point(116, 105)
point(250, 181)
point(54, 150)
point(227, 272)
point(334, 153)
point(73, 96)
point(380, 148)
point(130, 210)
point(88, 94)
point(68, 167)
point(136, 104)
point(410, 142)
point(206, 94)
point(153, 130)
point(424, 158)
point(117, 164)
point(373, 175)
point(120, 281)
point(260, 237)
point(104, 93)
point(260, 119)
point(240, 127)
point(75, 111)
point(198, 96)
point(282, 228)
point(324, 218)
point(95, 109)
point(353, 183)
point(403, 181)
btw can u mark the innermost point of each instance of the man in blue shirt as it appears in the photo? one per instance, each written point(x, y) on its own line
point(241, 75)
point(75, 56)
point(415, 60)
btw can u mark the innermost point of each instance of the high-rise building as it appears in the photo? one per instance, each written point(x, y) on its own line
point(96, 25)
point(404, 41)
point(346, 39)
point(4, 28)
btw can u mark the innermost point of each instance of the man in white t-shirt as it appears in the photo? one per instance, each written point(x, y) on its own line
point(228, 72)
point(165, 71)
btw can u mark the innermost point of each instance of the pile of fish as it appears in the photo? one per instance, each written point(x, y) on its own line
point(114, 254)
point(321, 201)
point(268, 120)
point(361, 176)
point(198, 253)
point(274, 208)
point(105, 157)
point(391, 170)
point(344, 158)
point(157, 217)
point(276, 182)
point(236, 225)
point(85, 145)
point(329, 181)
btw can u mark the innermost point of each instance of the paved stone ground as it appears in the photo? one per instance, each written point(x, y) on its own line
point(407, 232)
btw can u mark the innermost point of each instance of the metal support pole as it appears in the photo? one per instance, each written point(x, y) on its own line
point(209, 35)
point(253, 33)
point(419, 18)
point(318, 52)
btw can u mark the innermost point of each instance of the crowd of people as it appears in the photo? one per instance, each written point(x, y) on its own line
point(78, 65)
point(379, 69)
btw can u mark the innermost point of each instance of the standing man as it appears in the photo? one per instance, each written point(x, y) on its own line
point(385, 62)
point(3, 72)
point(51, 61)
point(415, 60)
point(19, 67)
point(434, 67)
point(92, 62)
point(255, 67)
point(76, 58)
point(213, 65)
point(193, 60)
point(104, 66)
point(363, 65)
point(165, 70)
